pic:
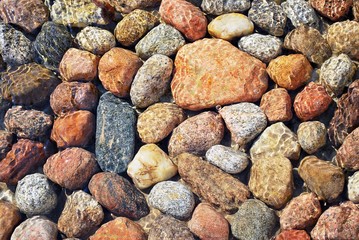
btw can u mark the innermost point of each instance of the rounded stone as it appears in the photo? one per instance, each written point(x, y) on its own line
point(312, 135)
point(353, 188)
point(9, 218)
point(334, 10)
point(37, 227)
point(347, 155)
point(219, 7)
point(6, 140)
point(167, 227)
point(277, 105)
point(293, 234)
point(300, 13)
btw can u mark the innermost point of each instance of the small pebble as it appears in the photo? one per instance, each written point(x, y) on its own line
point(312, 135)
point(167, 227)
point(277, 105)
point(334, 10)
point(9, 218)
point(6, 140)
point(353, 188)
point(347, 155)
point(300, 13)
point(293, 235)
point(219, 7)
point(37, 227)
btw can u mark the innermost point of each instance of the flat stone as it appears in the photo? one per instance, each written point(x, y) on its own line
point(312, 135)
point(300, 12)
point(334, 10)
point(37, 227)
point(353, 188)
point(6, 140)
point(9, 218)
point(292, 235)
point(347, 154)
point(219, 7)
point(167, 227)
point(277, 105)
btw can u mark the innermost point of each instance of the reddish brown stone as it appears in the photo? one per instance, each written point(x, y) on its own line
point(332, 9)
point(75, 129)
point(71, 168)
point(347, 155)
point(311, 102)
point(117, 68)
point(6, 139)
point(277, 105)
point(9, 218)
point(78, 65)
point(24, 157)
point(213, 72)
point(293, 235)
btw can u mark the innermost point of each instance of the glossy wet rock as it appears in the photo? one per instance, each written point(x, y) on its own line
point(347, 154)
point(300, 12)
point(334, 10)
point(37, 227)
point(277, 105)
point(312, 135)
point(6, 140)
point(353, 188)
point(167, 227)
point(219, 7)
point(9, 218)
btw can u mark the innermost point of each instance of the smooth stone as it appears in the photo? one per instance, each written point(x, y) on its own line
point(312, 135)
point(37, 227)
point(9, 218)
point(6, 141)
point(347, 155)
point(167, 227)
point(277, 105)
point(334, 10)
point(300, 13)
point(219, 7)
point(353, 188)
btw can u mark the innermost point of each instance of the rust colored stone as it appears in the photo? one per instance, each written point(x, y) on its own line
point(9, 218)
point(277, 105)
point(293, 235)
point(332, 9)
point(347, 155)
point(6, 139)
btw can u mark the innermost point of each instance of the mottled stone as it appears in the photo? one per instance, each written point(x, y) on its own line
point(301, 212)
point(127, 6)
point(211, 184)
point(290, 71)
point(353, 188)
point(219, 7)
point(253, 221)
point(158, 121)
point(152, 81)
point(37, 227)
point(277, 105)
point(163, 39)
point(309, 42)
point(334, 10)
point(263, 47)
point(347, 155)
point(323, 178)
point(9, 218)
point(74, 129)
point(172, 198)
point(196, 134)
point(6, 194)
point(356, 10)
point(293, 235)
point(338, 222)
point(95, 40)
point(134, 26)
point(277, 139)
point(71, 168)
point(25, 156)
point(6, 140)
point(81, 214)
point(300, 13)
point(115, 133)
point(208, 74)
point(311, 102)
point(166, 227)
point(118, 195)
point(312, 135)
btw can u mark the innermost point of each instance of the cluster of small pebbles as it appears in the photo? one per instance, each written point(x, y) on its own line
point(179, 119)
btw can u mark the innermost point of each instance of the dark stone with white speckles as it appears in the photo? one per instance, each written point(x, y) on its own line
point(115, 133)
point(300, 12)
point(219, 7)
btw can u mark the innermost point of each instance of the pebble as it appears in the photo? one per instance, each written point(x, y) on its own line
point(312, 135)
point(95, 40)
point(172, 198)
point(336, 73)
point(219, 7)
point(29, 124)
point(74, 129)
point(152, 81)
point(323, 178)
point(163, 39)
point(301, 212)
point(9, 218)
point(338, 222)
point(73, 96)
point(263, 47)
point(207, 223)
point(115, 133)
point(253, 221)
point(244, 120)
point(347, 154)
point(35, 195)
point(78, 65)
point(356, 10)
point(134, 26)
point(269, 16)
point(6, 140)
point(120, 228)
point(150, 166)
point(24, 157)
point(29, 84)
point(353, 188)
point(276, 139)
point(334, 10)
point(211, 184)
point(207, 75)
point(167, 227)
point(229, 26)
point(118, 195)
point(37, 227)
point(81, 214)
point(310, 42)
point(226, 158)
point(311, 102)
point(71, 168)
point(15, 48)
point(292, 235)
point(127, 6)
point(300, 12)
point(290, 71)
point(158, 121)
point(116, 70)
point(277, 105)
point(196, 134)
point(343, 37)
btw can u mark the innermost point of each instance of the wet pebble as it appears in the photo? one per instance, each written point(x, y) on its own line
point(9, 218)
point(167, 227)
point(312, 135)
point(353, 188)
point(300, 13)
point(37, 227)
point(219, 7)
point(347, 154)
point(277, 105)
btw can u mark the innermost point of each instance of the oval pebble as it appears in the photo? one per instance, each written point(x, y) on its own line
point(353, 188)
point(312, 135)
point(95, 40)
point(37, 227)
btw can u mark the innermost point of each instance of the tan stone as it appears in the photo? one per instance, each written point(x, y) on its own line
point(9, 218)
point(277, 105)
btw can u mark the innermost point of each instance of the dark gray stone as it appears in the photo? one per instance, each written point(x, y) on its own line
point(219, 7)
point(300, 12)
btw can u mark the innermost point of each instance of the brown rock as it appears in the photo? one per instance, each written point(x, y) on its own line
point(312, 135)
point(74, 129)
point(210, 183)
point(321, 177)
point(277, 105)
point(73, 96)
point(207, 223)
point(9, 218)
point(71, 168)
point(334, 10)
point(120, 228)
point(291, 71)
point(311, 102)
point(127, 6)
point(347, 155)
point(213, 72)
point(293, 235)
point(78, 65)
point(24, 157)
point(356, 10)
point(301, 212)
point(6, 139)
point(117, 69)
point(118, 195)
point(35, 228)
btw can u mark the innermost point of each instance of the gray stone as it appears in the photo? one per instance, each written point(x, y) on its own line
point(163, 39)
point(167, 227)
point(300, 12)
point(6, 139)
point(115, 133)
point(353, 188)
point(219, 7)
point(172, 198)
point(312, 135)
point(37, 227)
